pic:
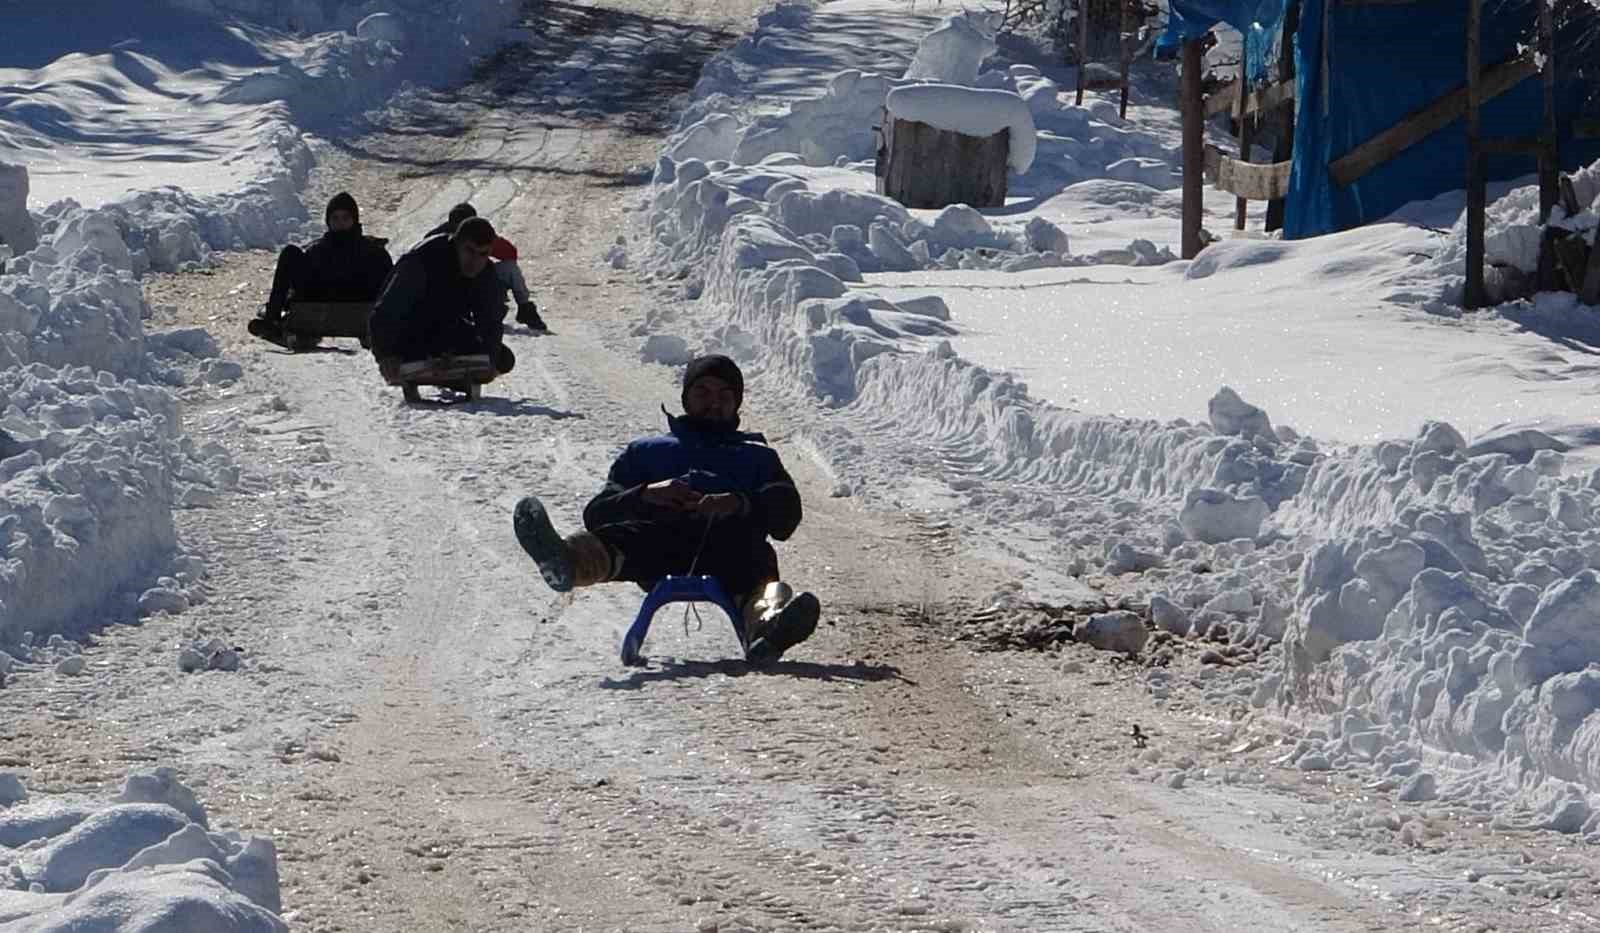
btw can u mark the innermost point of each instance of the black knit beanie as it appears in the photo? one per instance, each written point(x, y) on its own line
point(715, 365)
point(342, 202)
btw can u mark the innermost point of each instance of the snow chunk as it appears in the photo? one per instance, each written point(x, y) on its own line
point(1519, 445)
point(11, 789)
point(1045, 237)
point(190, 898)
point(1212, 516)
point(1233, 416)
point(1563, 625)
point(970, 112)
point(111, 836)
point(953, 52)
point(1113, 631)
point(163, 786)
point(666, 349)
point(715, 137)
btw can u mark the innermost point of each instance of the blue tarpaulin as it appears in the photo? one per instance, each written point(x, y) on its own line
point(1360, 69)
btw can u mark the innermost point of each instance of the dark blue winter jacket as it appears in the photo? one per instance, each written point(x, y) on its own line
point(711, 461)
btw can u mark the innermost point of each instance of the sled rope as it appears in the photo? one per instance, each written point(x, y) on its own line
point(699, 623)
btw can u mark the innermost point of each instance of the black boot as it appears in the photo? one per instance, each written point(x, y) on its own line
point(528, 314)
point(779, 632)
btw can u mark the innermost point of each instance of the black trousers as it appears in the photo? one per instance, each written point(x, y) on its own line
point(289, 275)
point(652, 550)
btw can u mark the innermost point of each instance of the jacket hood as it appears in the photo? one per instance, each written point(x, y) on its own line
point(343, 201)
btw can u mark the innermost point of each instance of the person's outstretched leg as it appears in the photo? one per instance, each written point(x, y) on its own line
point(286, 276)
point(565, 563)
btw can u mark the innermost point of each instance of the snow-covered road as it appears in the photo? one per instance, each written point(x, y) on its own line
point(436, 741)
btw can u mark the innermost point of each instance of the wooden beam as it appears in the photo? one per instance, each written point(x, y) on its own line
point(1247, 180)
point(1477, 184)
point(1083, 46)
point(1241, 208)
point(1430, 119)
point(1509, 146)
point(1194, 155)
point(1569, 198)
point(1550, 155)
point(1591, 281)
point(1267, 97)
point(1127, 54)
point(1223, 99)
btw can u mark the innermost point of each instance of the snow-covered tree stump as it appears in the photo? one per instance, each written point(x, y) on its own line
point(922, 166)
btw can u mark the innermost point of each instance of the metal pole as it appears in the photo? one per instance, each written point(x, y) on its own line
point(1477, 194)
point(1083, 45)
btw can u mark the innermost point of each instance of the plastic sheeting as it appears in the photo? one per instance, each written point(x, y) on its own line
point(1360, 69)
point(1382, 63)
point(1257, 21)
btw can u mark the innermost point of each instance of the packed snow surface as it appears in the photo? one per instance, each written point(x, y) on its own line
point(971, 112)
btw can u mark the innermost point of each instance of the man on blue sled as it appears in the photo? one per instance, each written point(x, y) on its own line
point(703, 498)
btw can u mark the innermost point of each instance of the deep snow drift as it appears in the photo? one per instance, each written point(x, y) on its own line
point(144, 860)
point(1431, 592)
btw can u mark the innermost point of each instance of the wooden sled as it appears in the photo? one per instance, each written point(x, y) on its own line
point(305, 323)
point(465, 374)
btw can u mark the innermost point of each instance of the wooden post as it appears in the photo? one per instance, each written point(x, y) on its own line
point(1083, 46)
point(1194, 149)
point(1127, 56)
point(1590, 295)
point(1284, 151)
point(1477, 193)
point(1246, 134)
point(1550, 151)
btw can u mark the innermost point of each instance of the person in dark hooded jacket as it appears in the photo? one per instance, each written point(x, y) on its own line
point(443, 299)
point(704, 496)
point(344, 265)
point(506, 269)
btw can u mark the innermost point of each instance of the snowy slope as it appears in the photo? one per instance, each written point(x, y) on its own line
point(1438, 557)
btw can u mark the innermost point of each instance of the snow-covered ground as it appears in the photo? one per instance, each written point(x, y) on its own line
point(1423, 541)
point(1041, 383)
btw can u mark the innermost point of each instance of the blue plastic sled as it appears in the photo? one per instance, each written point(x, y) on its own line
point(678, 590)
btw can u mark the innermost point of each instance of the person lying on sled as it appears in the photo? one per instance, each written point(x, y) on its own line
point(344, 265)
point(442, 300)
point(505, 267)
point(705, 497)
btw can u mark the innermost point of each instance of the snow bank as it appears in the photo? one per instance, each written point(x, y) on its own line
point(92, 461)
point(1512, 233)
point(971, 112)
point(143, 861)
